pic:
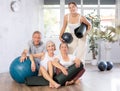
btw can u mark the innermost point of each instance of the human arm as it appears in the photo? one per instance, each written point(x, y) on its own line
point(77, 62)
point(33, 66)
point(85, 21)
point(23, 55)
point(63, 28)
point(32, 56)
point(38, 55)
point(59, 66)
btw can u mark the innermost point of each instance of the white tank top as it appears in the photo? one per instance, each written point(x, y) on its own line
point(45, 61)
point(68, 62)
point(73, 26)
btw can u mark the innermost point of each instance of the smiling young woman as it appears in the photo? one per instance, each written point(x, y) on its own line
point(74, 20)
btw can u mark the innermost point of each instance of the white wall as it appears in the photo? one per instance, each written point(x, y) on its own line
point(16, 29)
point(110, 52)
point(107, 52)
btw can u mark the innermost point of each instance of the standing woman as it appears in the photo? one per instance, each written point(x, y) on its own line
point(74, 20)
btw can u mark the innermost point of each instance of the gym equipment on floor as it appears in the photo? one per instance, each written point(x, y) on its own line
point(20, 70)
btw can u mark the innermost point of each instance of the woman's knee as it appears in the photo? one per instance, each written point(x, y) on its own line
point(49, 64)
point(42, 68)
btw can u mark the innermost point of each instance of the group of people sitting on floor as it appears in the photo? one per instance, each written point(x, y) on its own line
point(44, 59)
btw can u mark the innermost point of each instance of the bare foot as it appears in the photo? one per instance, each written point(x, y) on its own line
point(54, 85)
point(77, 81)
point(69, 83)
point(51, 85)
point(66, 84)
point(57, 85)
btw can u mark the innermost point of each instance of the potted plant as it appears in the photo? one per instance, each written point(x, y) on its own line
point(93, 35)
point(109, 34)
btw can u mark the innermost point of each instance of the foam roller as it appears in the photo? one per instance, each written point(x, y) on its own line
point(72, 72)
point(80, 31)
point(36, 81)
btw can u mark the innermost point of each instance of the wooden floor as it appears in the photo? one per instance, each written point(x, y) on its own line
point(92, 80)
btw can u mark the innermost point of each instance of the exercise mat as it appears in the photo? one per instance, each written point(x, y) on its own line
point(36, 81)
point(72, 72)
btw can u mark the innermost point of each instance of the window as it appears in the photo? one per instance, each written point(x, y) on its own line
point(51, 21)
point(52, 13)
point(107, 15)
point(86, 11)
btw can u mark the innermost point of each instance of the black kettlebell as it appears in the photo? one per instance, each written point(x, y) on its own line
point(67, 37)
point(102, 66)
point(109, 65)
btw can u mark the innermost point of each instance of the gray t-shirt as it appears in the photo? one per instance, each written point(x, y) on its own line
point(36, 49)
point(32, 49)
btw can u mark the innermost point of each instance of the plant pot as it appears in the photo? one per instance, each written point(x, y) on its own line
point(94, 62)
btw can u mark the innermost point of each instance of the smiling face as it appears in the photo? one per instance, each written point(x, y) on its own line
point(72, 7)
point(63, 48)
point(50, 46)
point(36, 38)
